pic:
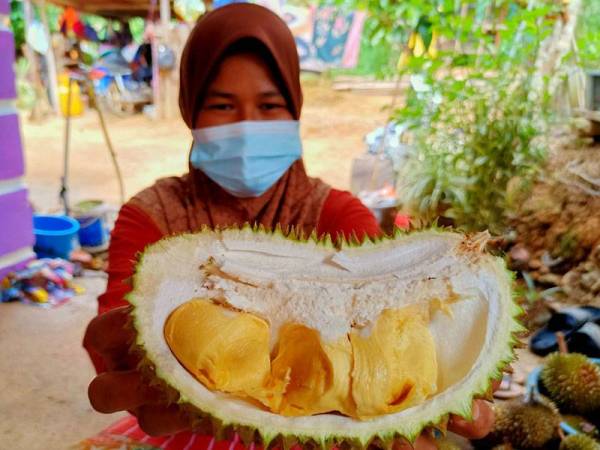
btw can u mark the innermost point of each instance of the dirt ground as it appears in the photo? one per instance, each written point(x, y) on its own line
point(45, 372)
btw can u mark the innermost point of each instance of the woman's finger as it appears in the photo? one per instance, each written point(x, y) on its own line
point(120, 391)
point(107, 332)
point(479, 427)
point(109, 335)
point(160, 420)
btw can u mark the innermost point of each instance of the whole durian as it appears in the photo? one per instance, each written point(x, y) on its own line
point(579, 442)
point(523, 424)
point(573, 382)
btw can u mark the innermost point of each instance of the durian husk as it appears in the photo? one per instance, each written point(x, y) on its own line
point(579, 442)
point(573, 382)
point(523, 424)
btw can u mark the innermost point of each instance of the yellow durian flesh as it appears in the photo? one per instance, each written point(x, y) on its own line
point(362, 376)
point(395, 366)
point(226, 350)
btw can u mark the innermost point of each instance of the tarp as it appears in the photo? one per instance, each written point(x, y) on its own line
point(327, 37)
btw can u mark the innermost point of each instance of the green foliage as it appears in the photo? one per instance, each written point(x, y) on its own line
point(476, 110)
point(26, 96)
point(17, 23)
point(477, 117)
point(472, 138)
point(588, 34)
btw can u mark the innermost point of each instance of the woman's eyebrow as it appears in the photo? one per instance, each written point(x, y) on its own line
point(271, 94)
point(213, 93)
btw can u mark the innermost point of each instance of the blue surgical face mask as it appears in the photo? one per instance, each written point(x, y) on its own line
point(247, 158)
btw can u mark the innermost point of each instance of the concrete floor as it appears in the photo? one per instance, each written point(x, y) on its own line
point(44, 373)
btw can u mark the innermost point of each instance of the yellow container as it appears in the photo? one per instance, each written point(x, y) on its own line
point(63, 96)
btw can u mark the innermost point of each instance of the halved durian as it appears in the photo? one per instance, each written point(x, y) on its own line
point(305, 342)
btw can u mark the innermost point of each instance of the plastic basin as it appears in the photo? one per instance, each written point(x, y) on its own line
point(55, 236)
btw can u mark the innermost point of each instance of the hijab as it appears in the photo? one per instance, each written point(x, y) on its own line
point(187, 203)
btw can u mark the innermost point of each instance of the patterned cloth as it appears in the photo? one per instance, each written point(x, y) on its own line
point(127, 435)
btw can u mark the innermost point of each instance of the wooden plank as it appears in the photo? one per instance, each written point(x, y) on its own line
point(373, 87)
point(108, 7)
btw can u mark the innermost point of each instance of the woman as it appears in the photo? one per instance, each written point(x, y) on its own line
point(240, 73)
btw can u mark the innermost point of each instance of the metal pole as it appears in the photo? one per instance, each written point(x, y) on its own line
point(65, 178)
point(111, 149)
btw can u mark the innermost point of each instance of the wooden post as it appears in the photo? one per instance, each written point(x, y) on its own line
point(165, 14)
point(50, 59)
point(167, 78)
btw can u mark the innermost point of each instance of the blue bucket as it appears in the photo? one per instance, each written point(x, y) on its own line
point(93, 229)
point(55, 236)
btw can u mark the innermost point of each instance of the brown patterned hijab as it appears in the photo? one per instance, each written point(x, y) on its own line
point(181, 204)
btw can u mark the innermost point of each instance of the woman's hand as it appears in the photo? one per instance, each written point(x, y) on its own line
point(122, 387)
point(479, 427)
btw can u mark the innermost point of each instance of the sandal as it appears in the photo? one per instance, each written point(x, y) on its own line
point(568, 321)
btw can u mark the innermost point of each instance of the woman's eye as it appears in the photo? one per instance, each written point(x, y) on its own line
point(220, 107)
point(271, 106)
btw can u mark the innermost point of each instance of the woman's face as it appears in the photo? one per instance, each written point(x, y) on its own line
point(243, 89)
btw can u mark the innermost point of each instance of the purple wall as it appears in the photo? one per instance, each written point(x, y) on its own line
point(11, 156)
point(16, 228)
point(17, 225)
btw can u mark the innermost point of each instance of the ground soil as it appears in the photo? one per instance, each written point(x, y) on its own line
point(558, 225)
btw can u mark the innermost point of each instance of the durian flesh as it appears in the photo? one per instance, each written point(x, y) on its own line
point(361, 375)
point(400, 333)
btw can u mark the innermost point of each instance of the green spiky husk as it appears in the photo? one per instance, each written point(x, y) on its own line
point(579, 442)
point(573, 382)
point(524, 425)
point(225, 427)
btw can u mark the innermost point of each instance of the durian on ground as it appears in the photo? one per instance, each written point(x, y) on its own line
point(432, 298)
point(525, 424)
point(573, 382)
